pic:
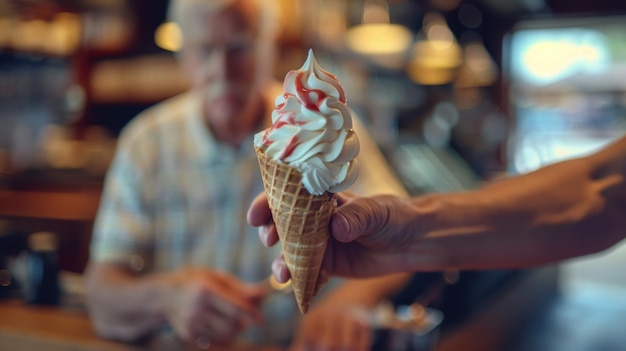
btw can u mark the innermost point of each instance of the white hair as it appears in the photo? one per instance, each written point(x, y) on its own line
point(179, 11)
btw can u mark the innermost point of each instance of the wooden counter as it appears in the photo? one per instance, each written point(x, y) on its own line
point(79, 205)
point(24, 327)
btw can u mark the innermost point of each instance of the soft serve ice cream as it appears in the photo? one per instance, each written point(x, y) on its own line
point(312, 130)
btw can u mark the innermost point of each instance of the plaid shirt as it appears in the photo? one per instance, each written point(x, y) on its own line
point(174, 196)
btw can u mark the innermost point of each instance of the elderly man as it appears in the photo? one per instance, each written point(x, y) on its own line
point(170, 244)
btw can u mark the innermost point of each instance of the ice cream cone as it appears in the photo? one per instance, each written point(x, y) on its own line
point(302, 221)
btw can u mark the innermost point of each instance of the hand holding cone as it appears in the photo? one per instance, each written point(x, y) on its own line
point(306, 156)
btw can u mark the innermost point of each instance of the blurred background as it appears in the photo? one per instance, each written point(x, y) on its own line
point(460, 91)
point(455, 92)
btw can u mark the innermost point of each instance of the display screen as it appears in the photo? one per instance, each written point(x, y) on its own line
point(566, 88)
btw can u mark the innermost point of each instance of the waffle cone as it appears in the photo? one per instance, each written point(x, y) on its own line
point(302, 221)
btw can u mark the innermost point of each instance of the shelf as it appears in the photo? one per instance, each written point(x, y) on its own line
point(142, 79)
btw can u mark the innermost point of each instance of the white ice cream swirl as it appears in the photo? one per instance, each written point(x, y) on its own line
point(312, 130)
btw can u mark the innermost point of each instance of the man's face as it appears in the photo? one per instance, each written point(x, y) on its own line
point(220, 59)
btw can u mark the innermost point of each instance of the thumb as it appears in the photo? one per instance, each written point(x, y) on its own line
point(358, 218)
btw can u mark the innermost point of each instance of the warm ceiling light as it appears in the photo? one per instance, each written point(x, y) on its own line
point(425, 75)
point(376, 38)
point(168, 36)
point(379, 38)
point(64, 34)
point(437, 54)
point(435, 58)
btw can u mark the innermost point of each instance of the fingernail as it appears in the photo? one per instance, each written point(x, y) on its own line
point(281, 273)
point(263, 233)
point(340, 225)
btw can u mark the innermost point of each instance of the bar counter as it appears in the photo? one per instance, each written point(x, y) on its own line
point(24, 327)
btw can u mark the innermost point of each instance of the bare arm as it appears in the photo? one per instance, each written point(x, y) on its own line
point(565, 210)
point(194, 301)
point(368, 292)
point(121, 304)
point(569, 209)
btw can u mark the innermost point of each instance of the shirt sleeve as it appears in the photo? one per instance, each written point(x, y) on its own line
point(375, 175)
point(122, 225)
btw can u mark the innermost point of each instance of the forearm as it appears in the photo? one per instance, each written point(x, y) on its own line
point(122, 305)
point(367, 292)
point(565, 210)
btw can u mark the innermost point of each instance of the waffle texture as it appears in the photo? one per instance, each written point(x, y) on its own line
point(302, 221)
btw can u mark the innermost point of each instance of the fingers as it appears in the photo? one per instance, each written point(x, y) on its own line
point(233, 299)
point(226, 306)
point(259, 211)
point(211, 305)
point(213, 326)
point(268, 235)
point(232, 314)
point(357, 336)
point(280, 270)
point(355, 218)
point(328, 337)
point(352, 335)
point(363, 218)
point(260, 215)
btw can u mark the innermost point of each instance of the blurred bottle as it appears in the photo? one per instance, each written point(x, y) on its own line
point(42, 270)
